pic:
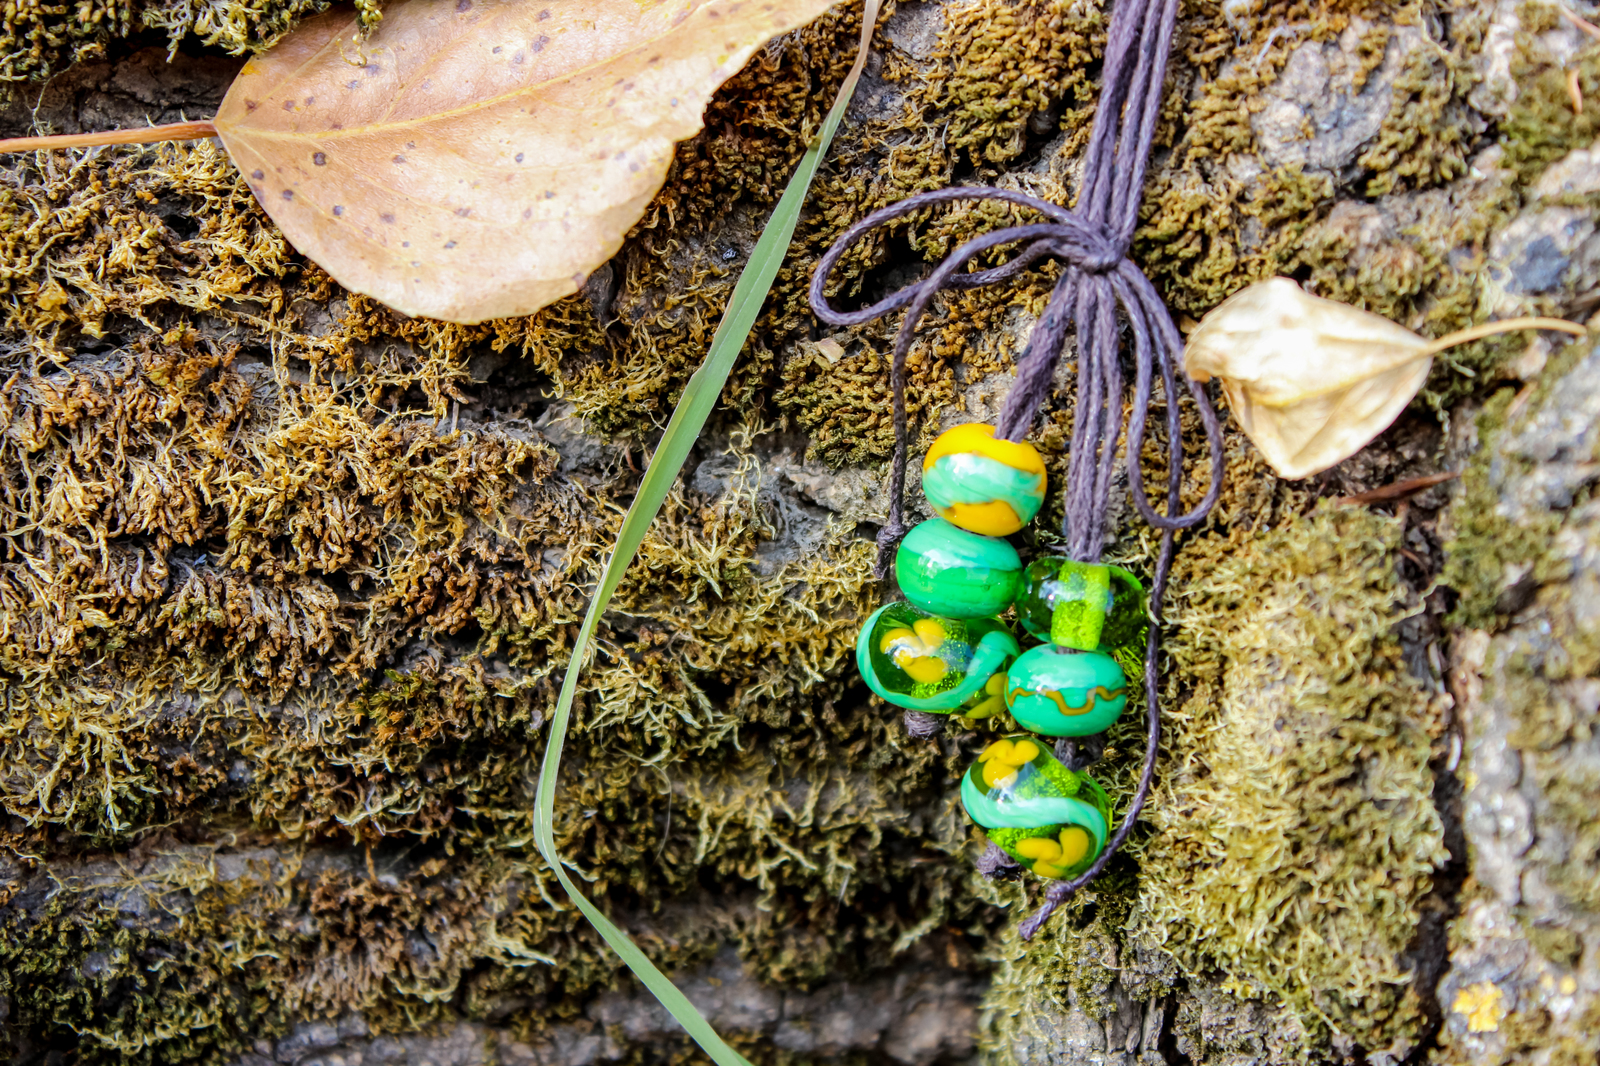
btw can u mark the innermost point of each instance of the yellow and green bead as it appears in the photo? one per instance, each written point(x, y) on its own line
point(981, 483)
point(1052, 820)
point(955, 573)
point(1059, 692)
point(922, 662)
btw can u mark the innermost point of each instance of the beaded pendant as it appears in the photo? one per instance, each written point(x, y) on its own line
point(1060, 692)
point(1087, 606)
point(1052, 820)
point(923, 662)
point(981, 483)
point(946, 651)
point(955, 573)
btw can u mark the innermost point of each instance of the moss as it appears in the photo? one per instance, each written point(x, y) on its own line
point(1072, 963)
point(320, 486)
point(1006, 69)
point(40, 39)
point(1489, 549)
point(1191, 237)
point(124, 994)
point(1429, 131)
point(191, 954)
point(1294, 834)
point(1484, 542)
point(1542, 126)
point(285, 569)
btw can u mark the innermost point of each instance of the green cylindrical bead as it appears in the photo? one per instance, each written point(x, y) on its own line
point(1088, 606)
point(1059, 692)
point(925, 663)
point(951, 572)
point(1052, 820)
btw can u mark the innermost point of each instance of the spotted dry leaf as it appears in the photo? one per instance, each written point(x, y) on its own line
point(478, 158)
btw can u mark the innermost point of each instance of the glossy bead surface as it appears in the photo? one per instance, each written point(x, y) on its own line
point(925, 663)
point(981, 483)
point(1088, 606)
point(1059, 692)
point(1052, 820)
point(955, 573)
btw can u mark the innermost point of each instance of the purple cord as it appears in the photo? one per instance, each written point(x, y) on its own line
point(1093, 239)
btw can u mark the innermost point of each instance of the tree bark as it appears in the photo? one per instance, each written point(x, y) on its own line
point(288, 583)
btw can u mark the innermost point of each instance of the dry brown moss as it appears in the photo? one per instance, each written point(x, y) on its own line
point(179, 953)
point(297, 580)
point(1006, 70)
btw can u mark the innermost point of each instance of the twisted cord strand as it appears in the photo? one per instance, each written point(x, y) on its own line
point(1061, 891)
point(1093, 240)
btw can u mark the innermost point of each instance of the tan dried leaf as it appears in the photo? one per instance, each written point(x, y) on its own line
point(1313, 381)
point(478, 158)
point(1310, 381)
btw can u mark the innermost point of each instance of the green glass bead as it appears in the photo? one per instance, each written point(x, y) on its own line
point(926, 663)
point(981, 483)
point(1052, 820)
point(950, 572)
point(1059, 692)
point(1088, 606)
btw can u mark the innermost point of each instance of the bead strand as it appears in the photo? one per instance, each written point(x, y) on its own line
point(945, 649)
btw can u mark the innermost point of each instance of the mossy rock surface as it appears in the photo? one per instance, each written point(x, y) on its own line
point(288, 583)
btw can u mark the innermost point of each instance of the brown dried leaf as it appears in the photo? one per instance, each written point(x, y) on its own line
point(478, 158)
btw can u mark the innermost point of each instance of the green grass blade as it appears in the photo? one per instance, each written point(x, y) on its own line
point(694, 407)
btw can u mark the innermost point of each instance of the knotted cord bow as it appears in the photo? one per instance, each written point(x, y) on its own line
point(1093, 240)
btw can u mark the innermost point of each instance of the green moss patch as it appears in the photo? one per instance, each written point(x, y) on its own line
point(1294, 831)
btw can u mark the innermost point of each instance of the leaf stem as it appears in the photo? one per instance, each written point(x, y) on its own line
point(172, 131)
point(1397, 489)
point(1489, 329)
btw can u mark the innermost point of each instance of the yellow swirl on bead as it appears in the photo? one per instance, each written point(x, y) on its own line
point(979, 437)
point(993, 699)
point(912, 650)
point(989, 486)
point(1054, 857)
point(1002, 759)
